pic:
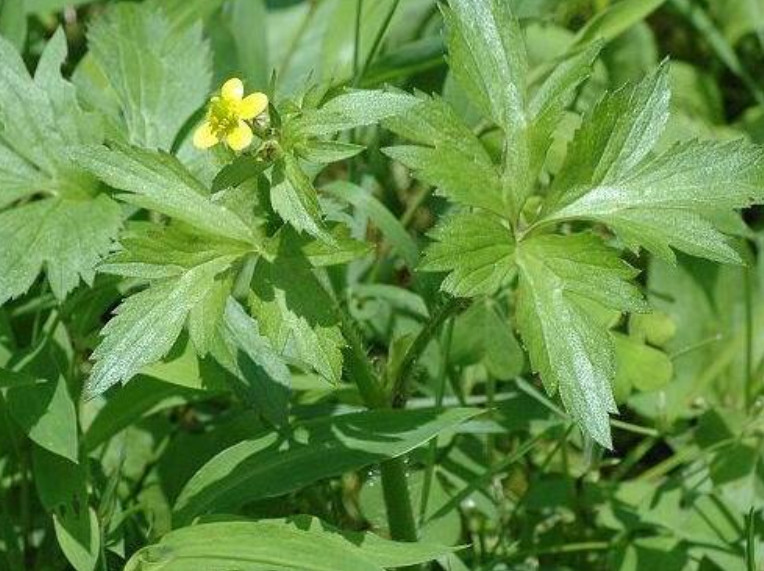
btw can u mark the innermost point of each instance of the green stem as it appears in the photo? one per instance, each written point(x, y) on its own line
point(395, 487)
point(400, 513)
point(750, 379)
point(420, 343)
point(439, 396)
point(377, 42)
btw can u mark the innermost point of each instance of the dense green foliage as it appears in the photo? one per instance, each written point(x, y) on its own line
point(480, 287)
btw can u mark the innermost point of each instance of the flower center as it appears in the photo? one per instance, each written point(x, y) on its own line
point(223, 117)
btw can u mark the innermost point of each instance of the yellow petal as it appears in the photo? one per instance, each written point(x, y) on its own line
point(240, 138)
point(233, 89)
point(252, 105)
point(204, 138)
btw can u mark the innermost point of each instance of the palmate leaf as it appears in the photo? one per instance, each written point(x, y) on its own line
point(563, 279)
point(157, 89)
point(488, 58)
point(656, 202)
point(69, 225)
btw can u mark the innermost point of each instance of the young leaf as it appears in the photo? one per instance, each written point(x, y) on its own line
point(159, 181)
point(148, 323)
point(266, 467)
point(158, 88)
point(350, 110)
point(562, 281)
point(476, 250)
point(655, 202)
point(295, 311)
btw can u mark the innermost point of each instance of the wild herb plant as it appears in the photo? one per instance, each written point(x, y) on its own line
point(274, 304)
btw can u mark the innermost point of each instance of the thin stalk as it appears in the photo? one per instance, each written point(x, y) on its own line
point(750, 379)
point(439, 396)
point(377, 43)
point(485, 479)
point(416, 349)
point(750, 541)
point(634, 456)
point(357, 39)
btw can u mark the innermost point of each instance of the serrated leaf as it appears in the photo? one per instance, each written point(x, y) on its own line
point(449, 157)
point(153, 251)
point(319, 253)
point(159, 88)
point(488, 57)
point(71, 225)
point(350, 110)
point(296, 313)
point(561, 278)
point(148, 323)
point(657, 202)
point(476, 250)
point(548, 104)
point(266, 466)
point(295, 199)
point(313, 546)
point(241, 349)
point(159, 181)
point(66, 237)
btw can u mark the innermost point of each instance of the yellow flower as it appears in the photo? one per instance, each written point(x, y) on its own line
point(228, 115)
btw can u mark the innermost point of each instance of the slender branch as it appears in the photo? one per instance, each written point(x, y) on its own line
point(399, 390)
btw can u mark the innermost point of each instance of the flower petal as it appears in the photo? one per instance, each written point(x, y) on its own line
point(233, 89)
point(204, 138)
point(252, 105)
point(240, 138)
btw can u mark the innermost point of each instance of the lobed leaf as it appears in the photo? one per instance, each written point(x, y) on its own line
point(563, 279)
point(158, 89)
point(477, 251)
point(148, 323)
